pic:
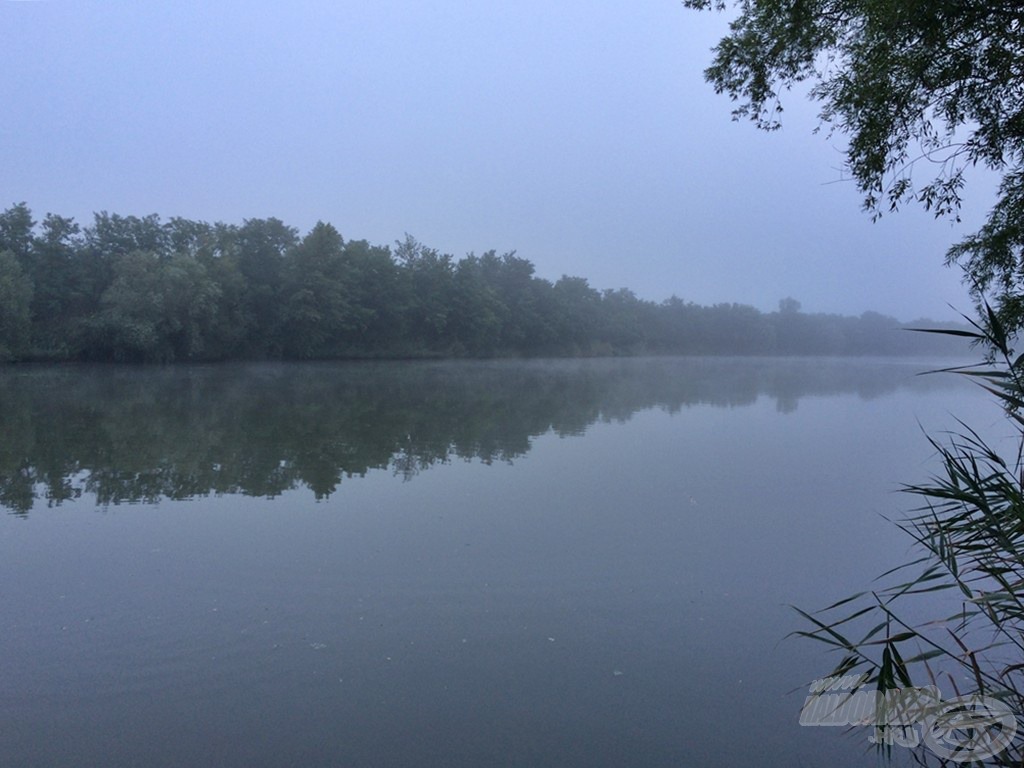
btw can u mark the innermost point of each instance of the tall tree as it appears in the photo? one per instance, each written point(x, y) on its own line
point(578, 311)
point(16, 231)
point(428, 301)
point(155, 309)
point(476, 309)
point(316, 307)
point(15, 299)
point(53, 267)
point(260, 249)
point(112, 235)
point(376, 291)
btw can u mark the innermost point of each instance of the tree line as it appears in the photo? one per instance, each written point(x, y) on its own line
point(139, 289)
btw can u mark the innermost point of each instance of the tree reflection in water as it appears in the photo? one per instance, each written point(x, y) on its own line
point(126, 434)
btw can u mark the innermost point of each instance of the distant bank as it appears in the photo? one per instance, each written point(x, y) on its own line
point(131, 289)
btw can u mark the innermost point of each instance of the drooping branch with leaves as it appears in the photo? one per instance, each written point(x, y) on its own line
point(923, 90)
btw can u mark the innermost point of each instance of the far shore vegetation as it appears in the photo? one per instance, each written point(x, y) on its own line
point(139, 289)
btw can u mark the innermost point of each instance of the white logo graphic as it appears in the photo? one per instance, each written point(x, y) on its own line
point(965, 729)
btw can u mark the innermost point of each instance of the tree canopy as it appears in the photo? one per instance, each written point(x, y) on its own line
point(136, 289)
point(923, 89)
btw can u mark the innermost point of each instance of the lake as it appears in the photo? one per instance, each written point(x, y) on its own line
point(510, 563)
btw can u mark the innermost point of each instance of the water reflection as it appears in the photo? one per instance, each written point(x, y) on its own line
point(145, 434)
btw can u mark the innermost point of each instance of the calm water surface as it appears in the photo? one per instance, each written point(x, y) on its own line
point(580, 563)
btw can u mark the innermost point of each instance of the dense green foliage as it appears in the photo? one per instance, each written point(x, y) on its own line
point(139, 289)
point(926, 86)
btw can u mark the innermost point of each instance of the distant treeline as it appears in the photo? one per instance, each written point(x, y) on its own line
point(145, 290)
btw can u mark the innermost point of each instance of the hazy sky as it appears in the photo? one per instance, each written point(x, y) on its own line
point(580, 134)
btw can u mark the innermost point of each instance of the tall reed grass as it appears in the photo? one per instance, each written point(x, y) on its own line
point(969, 534)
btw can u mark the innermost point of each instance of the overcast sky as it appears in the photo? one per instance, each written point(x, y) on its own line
point(580, 134)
